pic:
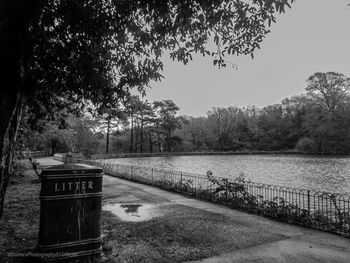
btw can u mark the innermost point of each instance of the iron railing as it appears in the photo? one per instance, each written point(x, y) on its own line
point(320, 210)
point(34, 154)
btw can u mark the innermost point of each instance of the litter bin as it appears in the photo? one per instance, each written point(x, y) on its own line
point(70, 212)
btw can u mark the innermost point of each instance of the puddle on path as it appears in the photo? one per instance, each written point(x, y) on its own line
point(133, 212)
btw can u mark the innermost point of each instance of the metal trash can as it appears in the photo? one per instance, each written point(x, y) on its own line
point(70, 212)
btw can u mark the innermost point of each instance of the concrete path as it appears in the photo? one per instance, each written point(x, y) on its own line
point(298, 245)
point(294, 243)
point(46, 162)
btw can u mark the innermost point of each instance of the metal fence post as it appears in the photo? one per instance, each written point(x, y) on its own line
point(308, 203)
point(195, 188)
point(226, 181)
point(181, 182)
point(131, 172)
point(152, 177)
point(117, 171)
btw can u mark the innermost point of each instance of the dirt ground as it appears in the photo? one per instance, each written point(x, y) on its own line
point(19, 225)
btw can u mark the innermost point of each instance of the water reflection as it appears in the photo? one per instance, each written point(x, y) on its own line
point(320, 173)
point(130, 208)
point(132, 212)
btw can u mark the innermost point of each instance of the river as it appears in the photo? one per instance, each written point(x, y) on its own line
point(325, 173)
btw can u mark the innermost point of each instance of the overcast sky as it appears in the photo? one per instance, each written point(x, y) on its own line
point(313, 36)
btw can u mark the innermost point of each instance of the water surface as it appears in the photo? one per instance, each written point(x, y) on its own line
point(310, 172)
point(132, 212)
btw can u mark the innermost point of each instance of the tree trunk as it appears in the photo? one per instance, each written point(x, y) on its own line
point(136, 140)
point(15, 49)
point(8, 143)
point(108, 131)
point(159, 143)
point(132, 134)
point(11, 68)
point(53, 147)
point(168, 143)
point(141, 136)
point(150, 142)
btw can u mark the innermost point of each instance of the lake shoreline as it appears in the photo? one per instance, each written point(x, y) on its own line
point(165, 154)
point(130, 155)
point(318, 173)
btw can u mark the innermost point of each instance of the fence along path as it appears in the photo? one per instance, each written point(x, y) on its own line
point(320, 210)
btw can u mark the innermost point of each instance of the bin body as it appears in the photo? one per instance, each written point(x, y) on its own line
point(70, 211)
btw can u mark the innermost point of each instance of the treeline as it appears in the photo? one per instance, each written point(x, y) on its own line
point(317, 122)
point(138, 126)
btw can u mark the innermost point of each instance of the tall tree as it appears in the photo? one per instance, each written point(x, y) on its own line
point(132, 107)
point(326, 125)
point(329, 90)
point(111, 119)
point(168, 120)
point(146, 118)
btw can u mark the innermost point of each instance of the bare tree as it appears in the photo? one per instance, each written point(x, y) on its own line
point(329, 90)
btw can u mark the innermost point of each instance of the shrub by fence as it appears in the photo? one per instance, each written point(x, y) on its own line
point(320, 210)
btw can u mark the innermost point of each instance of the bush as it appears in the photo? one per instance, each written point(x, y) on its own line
point(305, 145)
point(18, 166)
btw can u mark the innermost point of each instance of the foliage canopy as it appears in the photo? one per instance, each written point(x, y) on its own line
point(99, 50)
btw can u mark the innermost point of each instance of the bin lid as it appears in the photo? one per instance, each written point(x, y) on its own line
point(74, 168)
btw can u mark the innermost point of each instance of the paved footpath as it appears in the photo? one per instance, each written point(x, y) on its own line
point(46, 162)
point(299, 244)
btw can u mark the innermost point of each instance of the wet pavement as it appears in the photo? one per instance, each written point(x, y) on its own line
point(133, 212)
point(46, 162)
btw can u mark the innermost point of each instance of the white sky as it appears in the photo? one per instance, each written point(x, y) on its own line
point(313, 36)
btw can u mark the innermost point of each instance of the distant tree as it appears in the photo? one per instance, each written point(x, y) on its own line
point(141, 117)
point(146, 119)
point(111, 120)
point(86, 140)
point(132, 105)
point(295, 109)
point(56, 137)
point(329, 134)
point(329, 90)
point(276, 128)
point(168, 120)
point(248, 125)
point(194, 130)
point(223, 124)
point(51, 129)
point(326, 122)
